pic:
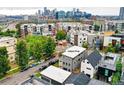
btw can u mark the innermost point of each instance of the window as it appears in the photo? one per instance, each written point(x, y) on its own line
point(79, 59)
point(88, 75)
point(66, 64)
point(11, 57)
point(63, 62)
point(69, 64)
point(89, 68)
point(7, 42)
point(65, 68)
point(87, 62)
point(84, 38)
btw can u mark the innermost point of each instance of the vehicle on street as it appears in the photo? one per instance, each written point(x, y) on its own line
point(42, 68)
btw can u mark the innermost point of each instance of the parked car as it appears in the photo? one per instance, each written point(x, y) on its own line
point(42, 68)
point(25, 69)
point(53, 62)
point(34, 64)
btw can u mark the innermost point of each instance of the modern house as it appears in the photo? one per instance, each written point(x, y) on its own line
point(78, 37)
point(37, 29)
point(107, 66)
point(10, 44)
point(54, 75)
point(72, 57)
point(111, 39)
point(89, 65)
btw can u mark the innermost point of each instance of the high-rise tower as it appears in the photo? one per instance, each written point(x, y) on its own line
point(121, 15)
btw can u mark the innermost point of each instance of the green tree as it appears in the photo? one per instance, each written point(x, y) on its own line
point(22, 54)
point(96, 27)
point(37, 51)
point(115, 78)
point(119, 66)
point(117, 47)
point(110, 48)
point(4, 63)
point(35, 44)
point(49, 48)
point(61, 35)
point(85, 45)
point(116, 31)
point(18, 29)
point(1, 28)
point(117, 75)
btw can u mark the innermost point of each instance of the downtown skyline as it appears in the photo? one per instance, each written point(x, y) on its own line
point(107, 11)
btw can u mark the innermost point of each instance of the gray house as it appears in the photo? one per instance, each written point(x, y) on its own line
point(72, 57)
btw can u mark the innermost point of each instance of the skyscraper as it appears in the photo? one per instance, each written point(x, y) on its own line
point(121, 15)
point(39, 12)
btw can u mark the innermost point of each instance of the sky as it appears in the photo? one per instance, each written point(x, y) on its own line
point(33, 10)
point(96, 7)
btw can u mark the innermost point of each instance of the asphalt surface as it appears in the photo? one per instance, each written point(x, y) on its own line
point(22, 76)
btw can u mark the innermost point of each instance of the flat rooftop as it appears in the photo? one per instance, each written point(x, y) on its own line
point(110, 61)
point(73, 51)
point(56, 74)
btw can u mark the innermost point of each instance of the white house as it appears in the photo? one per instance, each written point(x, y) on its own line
point(78, 37)
point(37, 29)
point(88, 66)
point(108, 39)
point(54, 75)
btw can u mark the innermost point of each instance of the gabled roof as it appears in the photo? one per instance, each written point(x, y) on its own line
point(94, 58)
point(82, 79)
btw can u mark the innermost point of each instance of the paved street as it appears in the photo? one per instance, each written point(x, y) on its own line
point(22, 76)
point(10, 25)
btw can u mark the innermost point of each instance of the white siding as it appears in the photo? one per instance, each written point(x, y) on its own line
point(108, 40)
point(85, 66)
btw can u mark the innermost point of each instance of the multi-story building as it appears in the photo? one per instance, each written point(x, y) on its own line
point(121, 15)
point(10, 44)
point(69, 14)
point(111, 39)
point(89, 65)
point(78, 37)
point(37, 29)
point(107, 66)
point(72, 57)
point(77, 14)
point(60, 15)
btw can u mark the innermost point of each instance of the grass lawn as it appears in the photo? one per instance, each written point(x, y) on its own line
point(13, 71)
point(37, 74)
point(56, 64)
point(31, 62)
point(10, 72)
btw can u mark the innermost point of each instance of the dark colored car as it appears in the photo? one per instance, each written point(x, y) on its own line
point(42, 68)
point(25, 69)
point(52, 63)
